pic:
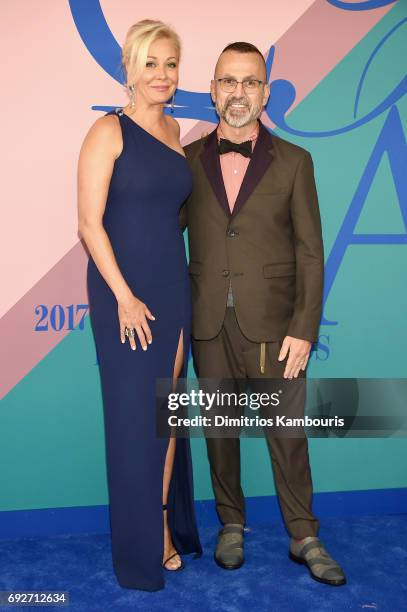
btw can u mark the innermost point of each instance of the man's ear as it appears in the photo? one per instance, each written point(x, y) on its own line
point(266, 94)
point(213, 91)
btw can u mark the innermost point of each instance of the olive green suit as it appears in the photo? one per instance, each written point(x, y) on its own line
point(269, 250)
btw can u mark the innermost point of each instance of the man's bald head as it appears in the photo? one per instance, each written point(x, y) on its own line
point(243, 48)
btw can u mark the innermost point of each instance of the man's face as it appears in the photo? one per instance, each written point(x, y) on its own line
point(240, 107)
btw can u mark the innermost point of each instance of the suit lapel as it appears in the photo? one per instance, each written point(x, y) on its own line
point(210, 161)
point(259, 162)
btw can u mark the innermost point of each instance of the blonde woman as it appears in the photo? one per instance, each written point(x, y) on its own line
point(132, 180)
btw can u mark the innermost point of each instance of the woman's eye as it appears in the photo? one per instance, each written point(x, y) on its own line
point(150, 64)
point(172, 65)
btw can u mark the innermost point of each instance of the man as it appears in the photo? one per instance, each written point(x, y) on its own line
point(256, 267)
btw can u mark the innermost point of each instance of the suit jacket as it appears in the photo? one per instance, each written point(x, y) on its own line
point(270, 247)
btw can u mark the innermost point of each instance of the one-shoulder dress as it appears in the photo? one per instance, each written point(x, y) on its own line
point(150, 181)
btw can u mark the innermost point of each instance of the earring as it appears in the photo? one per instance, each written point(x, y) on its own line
point(172, 103)
point(132, 96)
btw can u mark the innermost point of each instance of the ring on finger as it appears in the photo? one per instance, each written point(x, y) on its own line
point(129, 331)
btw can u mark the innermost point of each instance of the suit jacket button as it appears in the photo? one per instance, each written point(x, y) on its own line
point(225, 273)
point(232, 233)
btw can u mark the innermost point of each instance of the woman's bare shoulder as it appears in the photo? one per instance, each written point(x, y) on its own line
point(105, 132)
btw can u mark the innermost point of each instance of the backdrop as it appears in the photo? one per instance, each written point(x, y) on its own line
point(337, 73)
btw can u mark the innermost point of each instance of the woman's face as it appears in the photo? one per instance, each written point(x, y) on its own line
point(159, 79)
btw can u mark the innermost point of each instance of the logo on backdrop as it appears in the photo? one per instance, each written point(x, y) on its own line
point(101, 44)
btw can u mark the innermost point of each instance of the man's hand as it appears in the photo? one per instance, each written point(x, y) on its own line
point(298, 354)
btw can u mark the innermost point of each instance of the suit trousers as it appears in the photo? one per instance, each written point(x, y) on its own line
point(230, 355)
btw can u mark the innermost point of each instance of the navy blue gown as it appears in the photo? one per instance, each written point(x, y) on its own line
point(150, 181)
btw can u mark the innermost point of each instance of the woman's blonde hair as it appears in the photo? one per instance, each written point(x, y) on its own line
point(137, 43)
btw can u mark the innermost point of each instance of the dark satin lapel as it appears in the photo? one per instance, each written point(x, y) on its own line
point(210, 161)
point(259, 162)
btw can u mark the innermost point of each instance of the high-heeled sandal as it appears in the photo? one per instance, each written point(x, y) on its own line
point(172, 556)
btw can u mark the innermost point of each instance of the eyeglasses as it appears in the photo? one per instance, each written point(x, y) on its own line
point(229, 85)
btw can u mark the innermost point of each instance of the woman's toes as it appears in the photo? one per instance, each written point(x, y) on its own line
point(173, 563)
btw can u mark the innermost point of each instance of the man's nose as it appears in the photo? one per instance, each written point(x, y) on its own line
point(239, 89)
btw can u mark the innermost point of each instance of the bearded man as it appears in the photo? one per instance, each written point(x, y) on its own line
point(256, 269)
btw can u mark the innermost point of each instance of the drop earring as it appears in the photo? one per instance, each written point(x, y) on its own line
point(172, 103)
point(132, 96)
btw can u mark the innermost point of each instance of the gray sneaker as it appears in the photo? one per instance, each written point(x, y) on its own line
point(311, 552)
point(229, 552)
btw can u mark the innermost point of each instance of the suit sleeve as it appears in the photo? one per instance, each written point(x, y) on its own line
point(183, 215)
point(309, 253)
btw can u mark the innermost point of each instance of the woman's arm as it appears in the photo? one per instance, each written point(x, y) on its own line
point(102, 145)
point(96, 159)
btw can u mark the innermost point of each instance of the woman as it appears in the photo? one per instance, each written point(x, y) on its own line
point(132, 180)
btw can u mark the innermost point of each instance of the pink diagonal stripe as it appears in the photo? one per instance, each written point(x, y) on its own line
point(318, 41)
point(24, 347)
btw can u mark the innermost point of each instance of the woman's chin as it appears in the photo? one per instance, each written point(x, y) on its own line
point(160, 99)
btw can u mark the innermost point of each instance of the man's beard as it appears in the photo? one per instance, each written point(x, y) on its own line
point(240, 119)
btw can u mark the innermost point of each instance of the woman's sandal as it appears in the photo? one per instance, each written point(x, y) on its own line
point(172, 556)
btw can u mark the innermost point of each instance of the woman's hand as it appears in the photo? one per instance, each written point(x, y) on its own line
point(133, 313)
